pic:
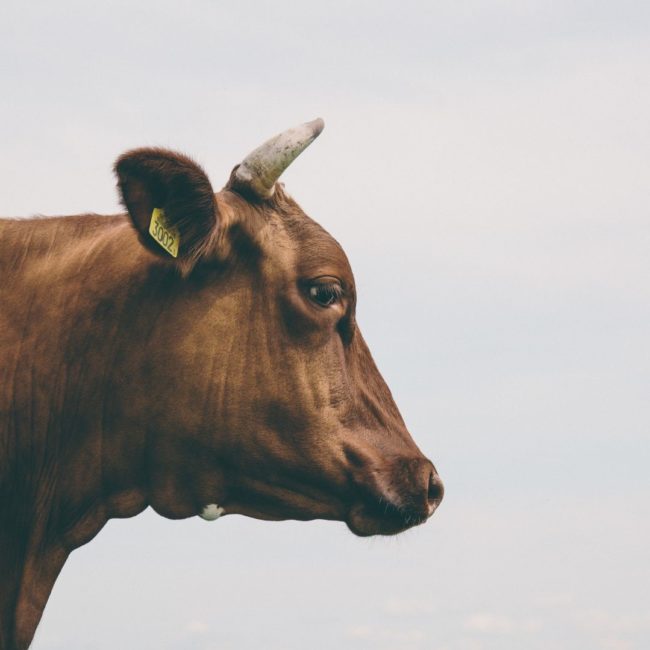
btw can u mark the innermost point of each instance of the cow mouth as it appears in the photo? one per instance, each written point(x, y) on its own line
point(382, 518)
point(364, 520)
point(370, 510)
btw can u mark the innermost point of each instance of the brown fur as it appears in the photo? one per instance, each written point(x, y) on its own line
point(130, 379)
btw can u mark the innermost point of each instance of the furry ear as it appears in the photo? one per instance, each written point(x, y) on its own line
point(170, 201)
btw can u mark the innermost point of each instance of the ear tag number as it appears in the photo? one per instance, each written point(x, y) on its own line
point(164, 233)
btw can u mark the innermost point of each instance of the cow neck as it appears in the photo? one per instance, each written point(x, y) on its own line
point(60, 350)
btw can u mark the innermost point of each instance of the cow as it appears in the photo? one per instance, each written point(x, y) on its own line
point(197, 354)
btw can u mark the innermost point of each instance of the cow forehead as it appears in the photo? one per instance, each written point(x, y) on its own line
point(316, 251)
point(319, 253)
point(287, 234)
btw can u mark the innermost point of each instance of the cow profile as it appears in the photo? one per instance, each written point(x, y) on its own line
point(198, 354)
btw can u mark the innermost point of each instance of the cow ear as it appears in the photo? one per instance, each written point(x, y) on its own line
point(170, 201)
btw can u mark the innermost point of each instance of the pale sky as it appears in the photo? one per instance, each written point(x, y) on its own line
point(485, 166)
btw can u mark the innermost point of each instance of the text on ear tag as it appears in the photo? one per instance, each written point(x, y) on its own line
point(164, 233)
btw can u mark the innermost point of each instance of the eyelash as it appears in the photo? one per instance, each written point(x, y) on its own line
point(325, 293)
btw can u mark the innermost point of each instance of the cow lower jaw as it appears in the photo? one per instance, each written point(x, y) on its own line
point(211, 512)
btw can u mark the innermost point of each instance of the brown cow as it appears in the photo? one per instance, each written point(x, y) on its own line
point(198, 355)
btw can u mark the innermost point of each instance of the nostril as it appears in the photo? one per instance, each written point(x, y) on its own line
point(435, 493)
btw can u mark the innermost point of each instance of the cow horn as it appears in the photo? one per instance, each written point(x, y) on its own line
point(259, 171)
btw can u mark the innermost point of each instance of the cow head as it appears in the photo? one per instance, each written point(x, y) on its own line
point(259, 394)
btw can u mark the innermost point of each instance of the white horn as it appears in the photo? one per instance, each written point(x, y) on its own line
point(260, 170)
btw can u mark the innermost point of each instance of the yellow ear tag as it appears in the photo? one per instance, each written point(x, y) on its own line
point(164, 233)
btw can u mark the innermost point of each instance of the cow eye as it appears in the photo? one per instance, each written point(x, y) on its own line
point(326, 292)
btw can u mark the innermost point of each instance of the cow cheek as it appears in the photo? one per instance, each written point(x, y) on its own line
point(303, 323)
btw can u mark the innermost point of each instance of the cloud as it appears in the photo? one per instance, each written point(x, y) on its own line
point(197, 627)
point(360, 632)
point(416, 606)
point(498, 624)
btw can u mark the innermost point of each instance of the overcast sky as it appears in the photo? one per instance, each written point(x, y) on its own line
point(485, 164)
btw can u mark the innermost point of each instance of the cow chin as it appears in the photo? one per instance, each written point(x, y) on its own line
point(383, 518)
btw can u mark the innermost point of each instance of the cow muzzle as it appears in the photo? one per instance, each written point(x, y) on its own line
point(396, 496)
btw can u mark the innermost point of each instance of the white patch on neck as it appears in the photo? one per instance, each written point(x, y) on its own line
point(211, 512)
